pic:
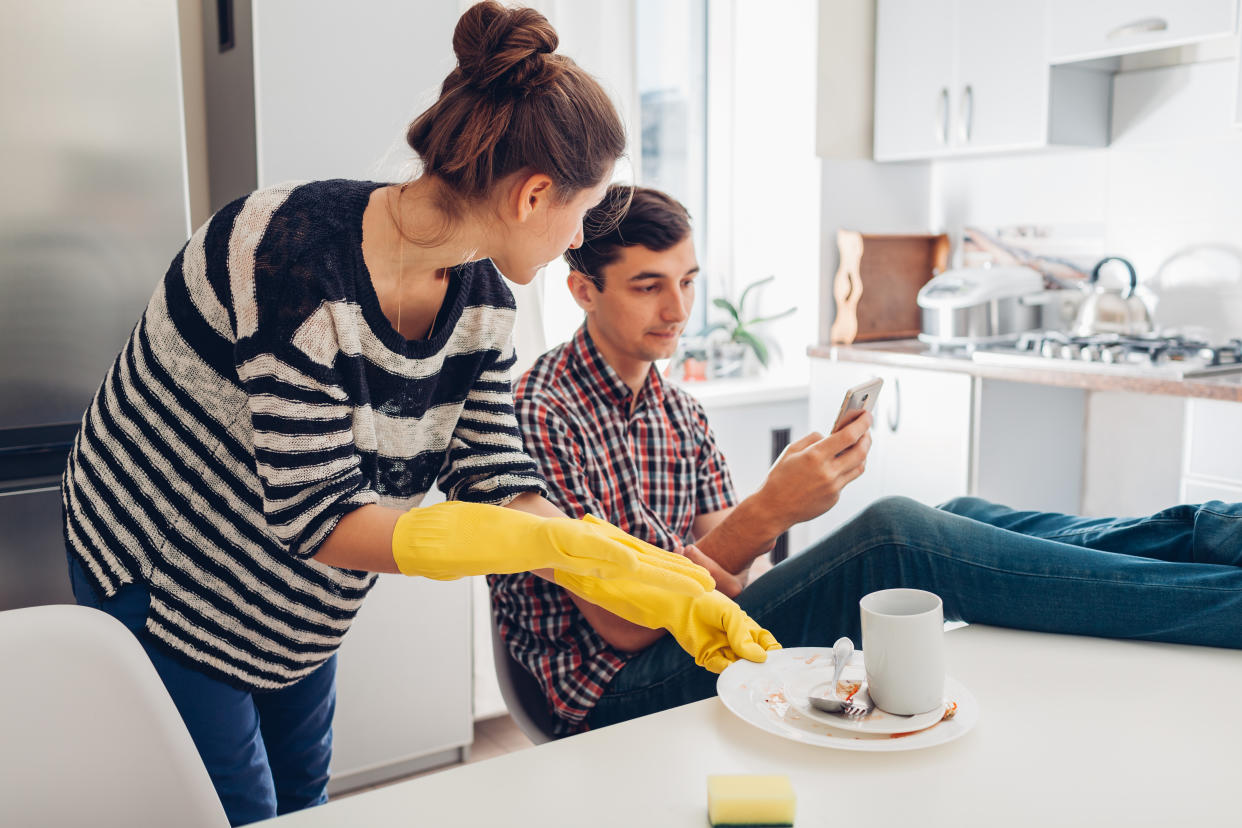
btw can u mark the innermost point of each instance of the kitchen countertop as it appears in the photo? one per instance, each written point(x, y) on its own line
point(762, 390)
point(911, 353)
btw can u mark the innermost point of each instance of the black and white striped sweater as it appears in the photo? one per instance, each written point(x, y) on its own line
point(263, 395)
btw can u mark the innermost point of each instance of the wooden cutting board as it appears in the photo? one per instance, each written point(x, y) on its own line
point(876, 287)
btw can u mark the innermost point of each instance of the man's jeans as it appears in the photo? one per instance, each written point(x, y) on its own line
point(1174, 576)
point(267, 753)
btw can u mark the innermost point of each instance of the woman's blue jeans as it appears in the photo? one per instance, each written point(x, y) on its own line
point(267, 753)
point(1175, 576)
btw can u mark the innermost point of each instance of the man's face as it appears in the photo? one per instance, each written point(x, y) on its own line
point(645, 303)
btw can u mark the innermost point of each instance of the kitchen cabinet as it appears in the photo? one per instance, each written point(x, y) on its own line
point(956, 77)
point(1089, 29)
point(913, 78)
point(942, 434)
point(921, 440)
point(403, 694)
point(1212, 452)
point(744, 430)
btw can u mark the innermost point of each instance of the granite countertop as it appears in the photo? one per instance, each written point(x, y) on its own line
point(910, 353)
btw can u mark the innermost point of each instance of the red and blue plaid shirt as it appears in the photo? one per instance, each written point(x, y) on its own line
point(650, 472)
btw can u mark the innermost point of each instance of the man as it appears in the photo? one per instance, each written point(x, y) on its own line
point(614, 440)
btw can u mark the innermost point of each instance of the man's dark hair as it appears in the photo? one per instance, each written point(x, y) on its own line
point(627, 217)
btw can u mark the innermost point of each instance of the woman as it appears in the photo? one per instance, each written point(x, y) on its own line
point(315, 358)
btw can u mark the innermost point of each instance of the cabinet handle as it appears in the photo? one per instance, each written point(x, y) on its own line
point(968, 112)
point(894, 409)
point(224, 25)
point(1147, 24)
point(941, 124)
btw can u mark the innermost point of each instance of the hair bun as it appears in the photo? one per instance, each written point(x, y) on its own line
point(501, 47)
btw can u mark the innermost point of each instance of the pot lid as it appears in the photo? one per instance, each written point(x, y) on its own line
point(966, 286)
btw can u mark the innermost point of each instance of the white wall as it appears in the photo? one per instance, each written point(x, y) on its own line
point(1169, 180)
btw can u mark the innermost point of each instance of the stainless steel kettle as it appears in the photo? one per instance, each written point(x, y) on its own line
point(1108, 310)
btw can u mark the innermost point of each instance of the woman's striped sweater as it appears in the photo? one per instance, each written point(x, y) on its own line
point(263, 395)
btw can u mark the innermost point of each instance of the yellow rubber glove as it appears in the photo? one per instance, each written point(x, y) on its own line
point(710, 627)
point(454, 539)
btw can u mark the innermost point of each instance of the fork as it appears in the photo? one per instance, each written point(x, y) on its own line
point(832, 703)
point(841, 707)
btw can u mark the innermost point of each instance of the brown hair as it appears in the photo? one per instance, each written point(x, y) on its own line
point(511, 104)
point(627, 217)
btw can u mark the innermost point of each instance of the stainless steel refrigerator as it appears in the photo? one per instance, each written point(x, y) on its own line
point(93, 207)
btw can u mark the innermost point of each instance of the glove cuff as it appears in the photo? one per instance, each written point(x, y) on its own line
point(420, 538)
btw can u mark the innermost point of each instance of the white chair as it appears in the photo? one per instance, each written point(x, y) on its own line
point(88, 734)
point(522, 694)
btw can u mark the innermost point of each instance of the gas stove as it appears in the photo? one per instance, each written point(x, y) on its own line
point(1170, 357)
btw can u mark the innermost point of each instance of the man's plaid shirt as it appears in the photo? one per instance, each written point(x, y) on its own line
point(650, 473)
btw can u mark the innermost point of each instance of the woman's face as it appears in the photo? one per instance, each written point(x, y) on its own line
point(545, 232)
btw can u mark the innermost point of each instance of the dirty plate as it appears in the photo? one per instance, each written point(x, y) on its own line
point(773, 697)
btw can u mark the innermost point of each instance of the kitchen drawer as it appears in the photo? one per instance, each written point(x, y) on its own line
point(1195, 490)
point(1088, 29)
point(1213, 447)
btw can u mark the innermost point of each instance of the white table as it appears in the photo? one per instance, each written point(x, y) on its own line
point(1073, 731)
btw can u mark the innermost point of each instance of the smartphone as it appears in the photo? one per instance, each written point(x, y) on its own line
point(860, 397)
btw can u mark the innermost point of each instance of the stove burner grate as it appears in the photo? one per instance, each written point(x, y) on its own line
point(1133, 350)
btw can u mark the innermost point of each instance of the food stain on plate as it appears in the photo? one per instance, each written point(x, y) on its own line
point(777, 703)
point(950, 710)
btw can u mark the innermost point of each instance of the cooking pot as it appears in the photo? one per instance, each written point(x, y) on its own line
point(1109, 310)
point(978, 305)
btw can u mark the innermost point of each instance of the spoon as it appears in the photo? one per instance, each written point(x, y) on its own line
point(831, 703)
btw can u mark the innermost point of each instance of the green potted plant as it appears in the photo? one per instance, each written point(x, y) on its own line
point(729, 355)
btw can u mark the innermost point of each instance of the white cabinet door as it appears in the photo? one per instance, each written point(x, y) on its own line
point(829, 382)
point(403, 682)
point(914, 67)
point(958, 77)
point(1212, 452)
point(1000, 98)
point(1088, 29)
point(925, 428)
point(921, 440)
point(744, 435)
point(1201, 491)
point(1213, 443)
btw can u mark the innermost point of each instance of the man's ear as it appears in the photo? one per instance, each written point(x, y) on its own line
point(530, 195)
point(582, 289)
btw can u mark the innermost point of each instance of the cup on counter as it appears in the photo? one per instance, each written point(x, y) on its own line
point(903, 649)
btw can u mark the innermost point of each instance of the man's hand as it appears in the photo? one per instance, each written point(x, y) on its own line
point(808, 477)
point(726, 582)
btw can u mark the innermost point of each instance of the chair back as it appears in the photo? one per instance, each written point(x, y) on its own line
point(88, 733)
point(522, 694)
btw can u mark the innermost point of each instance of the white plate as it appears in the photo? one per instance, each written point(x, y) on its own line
point(875, 722)
point(773, 697)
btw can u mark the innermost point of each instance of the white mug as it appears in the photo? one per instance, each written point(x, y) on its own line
point(903, 649)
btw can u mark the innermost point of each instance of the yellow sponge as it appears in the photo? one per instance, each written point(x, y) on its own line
point(749, 799)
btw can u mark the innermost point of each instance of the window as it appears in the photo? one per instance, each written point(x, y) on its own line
point(671, 53)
